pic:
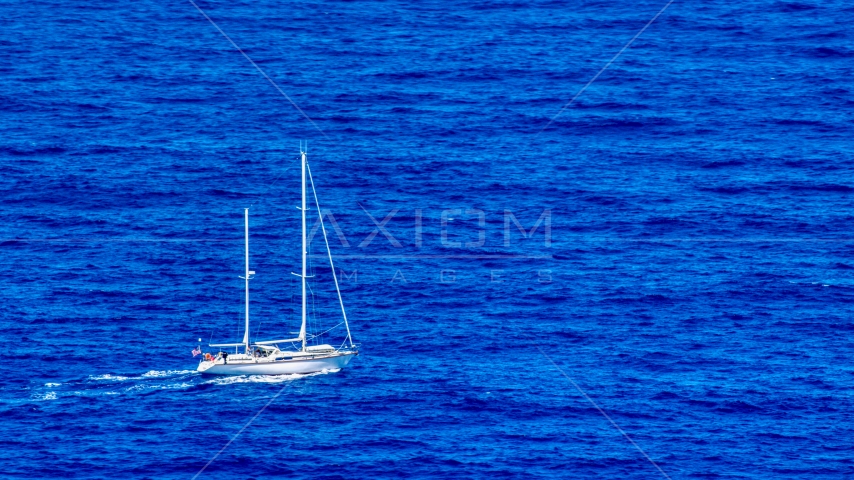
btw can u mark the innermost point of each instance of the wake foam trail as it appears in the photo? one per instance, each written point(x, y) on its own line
point(165, 373)
point(107, 376)
point(45, 396)
point(141, 383)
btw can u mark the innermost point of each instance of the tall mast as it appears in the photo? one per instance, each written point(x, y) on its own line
point(246, 277)
point(304, 252)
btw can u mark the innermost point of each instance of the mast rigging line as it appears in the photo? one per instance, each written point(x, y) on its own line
point(329, 252)
point(312, 317)
point(327, 330)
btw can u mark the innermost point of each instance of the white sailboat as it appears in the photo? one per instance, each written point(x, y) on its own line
point(286, 356)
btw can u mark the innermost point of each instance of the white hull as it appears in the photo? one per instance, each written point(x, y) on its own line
point(278, 367)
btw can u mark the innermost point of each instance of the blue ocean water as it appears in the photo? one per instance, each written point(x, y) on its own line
point(692, 271)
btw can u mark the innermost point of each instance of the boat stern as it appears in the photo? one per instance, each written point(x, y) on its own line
point(204, 366)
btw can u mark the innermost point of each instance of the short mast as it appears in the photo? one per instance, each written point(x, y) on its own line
point(304, 251)
point(246, 276)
